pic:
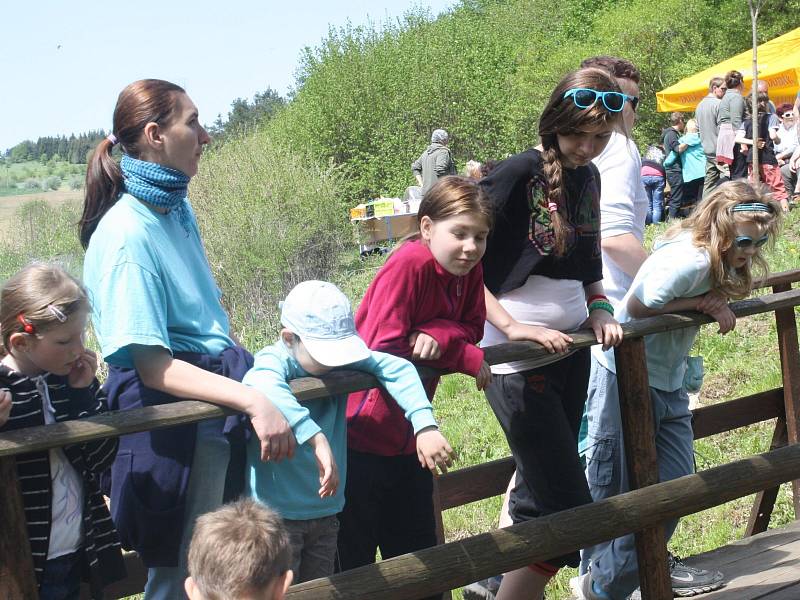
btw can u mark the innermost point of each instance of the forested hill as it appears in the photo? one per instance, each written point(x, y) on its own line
point(73, 149)
point(368, 97)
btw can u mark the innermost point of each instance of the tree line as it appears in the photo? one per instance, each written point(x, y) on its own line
point(74, 149)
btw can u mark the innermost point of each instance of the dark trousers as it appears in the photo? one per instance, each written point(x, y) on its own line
point(691, 194)
point(739, 165)
point(675, 180)
point(61, 579)
point(540, 412)
point(388, 506)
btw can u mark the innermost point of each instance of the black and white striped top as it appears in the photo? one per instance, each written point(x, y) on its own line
point(101, 545)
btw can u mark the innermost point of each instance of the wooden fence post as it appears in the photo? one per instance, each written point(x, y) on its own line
point(437, 513)
point(790, 372)
point(640, 454)
point(765, 499)
point(17, 580)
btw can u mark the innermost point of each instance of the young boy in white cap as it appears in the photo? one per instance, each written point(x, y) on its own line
point(307, 490)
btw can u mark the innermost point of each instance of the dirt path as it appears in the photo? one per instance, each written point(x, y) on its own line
point(10, 204)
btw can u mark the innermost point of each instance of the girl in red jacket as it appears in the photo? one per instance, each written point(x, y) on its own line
point(426, 304)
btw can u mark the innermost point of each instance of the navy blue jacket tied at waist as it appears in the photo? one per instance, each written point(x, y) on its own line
point(150, 476)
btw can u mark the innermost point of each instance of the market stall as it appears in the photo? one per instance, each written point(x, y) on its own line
point(383, 220)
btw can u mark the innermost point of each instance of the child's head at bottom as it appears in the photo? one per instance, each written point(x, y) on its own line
point(733, 223)
point(319, 329)
point(240, 551)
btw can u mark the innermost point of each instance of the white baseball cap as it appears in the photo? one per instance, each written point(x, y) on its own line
point(320, 314)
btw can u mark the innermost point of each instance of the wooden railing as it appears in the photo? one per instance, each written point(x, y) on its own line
point(444, 567)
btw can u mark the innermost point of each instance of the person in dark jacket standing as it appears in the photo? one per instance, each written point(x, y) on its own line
point(674, 172)
point(437, 161)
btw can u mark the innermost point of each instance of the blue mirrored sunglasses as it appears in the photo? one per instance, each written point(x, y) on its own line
point(613, 101)
point(745, 241)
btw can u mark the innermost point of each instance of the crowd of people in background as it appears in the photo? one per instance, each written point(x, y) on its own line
point(531, 247)
point(696, 155)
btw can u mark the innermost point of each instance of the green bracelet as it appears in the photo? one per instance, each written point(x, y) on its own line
point(602, 305)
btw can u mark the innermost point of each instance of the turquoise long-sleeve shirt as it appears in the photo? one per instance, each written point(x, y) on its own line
point(291, 486)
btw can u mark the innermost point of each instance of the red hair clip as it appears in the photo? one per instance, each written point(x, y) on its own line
point(27, 326)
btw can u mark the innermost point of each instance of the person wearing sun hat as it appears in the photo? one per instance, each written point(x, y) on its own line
point(307, 490)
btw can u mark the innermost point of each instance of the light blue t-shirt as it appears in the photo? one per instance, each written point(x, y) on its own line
point(291, 487)
point(675, 269)
point(150, 284)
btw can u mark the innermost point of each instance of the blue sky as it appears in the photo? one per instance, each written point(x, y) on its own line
point(64, 63)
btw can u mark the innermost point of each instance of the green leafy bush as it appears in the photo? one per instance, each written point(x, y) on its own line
point(270, 218)
point(368, 97)
point(51, 183)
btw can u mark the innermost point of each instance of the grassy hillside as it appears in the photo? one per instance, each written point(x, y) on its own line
point(368, 97)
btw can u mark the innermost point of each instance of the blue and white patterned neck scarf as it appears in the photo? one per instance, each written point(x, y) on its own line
point(157, 185)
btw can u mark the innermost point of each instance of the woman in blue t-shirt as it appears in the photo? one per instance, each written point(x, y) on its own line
point(162, 329)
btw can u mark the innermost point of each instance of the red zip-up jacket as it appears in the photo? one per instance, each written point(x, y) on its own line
point(412, 292)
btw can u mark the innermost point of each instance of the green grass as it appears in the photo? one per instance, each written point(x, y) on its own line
point(465, 417)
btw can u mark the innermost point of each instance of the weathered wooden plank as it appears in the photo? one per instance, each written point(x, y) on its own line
point(457, 563)
point(167, 415)
point(17, 581)
point(780, 278)
point(750, 546)
point(471, 484)
point(790, 372)
point(791, 592)
point(725, 416)
point(764, 502)
point(766, 565)
point(641, 457)
point(486, 480)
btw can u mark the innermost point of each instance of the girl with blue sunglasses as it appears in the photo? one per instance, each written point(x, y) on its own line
point(612, 101)
point(699, 264)
point(543, 273)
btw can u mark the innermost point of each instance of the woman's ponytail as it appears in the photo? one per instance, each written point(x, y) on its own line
point(103, 187)
point(554, 193)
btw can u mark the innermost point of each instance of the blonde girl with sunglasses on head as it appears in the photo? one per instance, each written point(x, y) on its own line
point(699, 264)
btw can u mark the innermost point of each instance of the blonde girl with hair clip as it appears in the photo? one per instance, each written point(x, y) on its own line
point(425, 304)
point(543, 274)
point(699, 264)
point(47, 376)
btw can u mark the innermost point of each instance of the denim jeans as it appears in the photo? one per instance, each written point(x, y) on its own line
point(62, 578)
point(654, 186)
point(613, 564)
point(206, 487)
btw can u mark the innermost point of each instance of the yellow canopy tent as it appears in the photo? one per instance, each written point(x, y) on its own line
point(778, 65)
